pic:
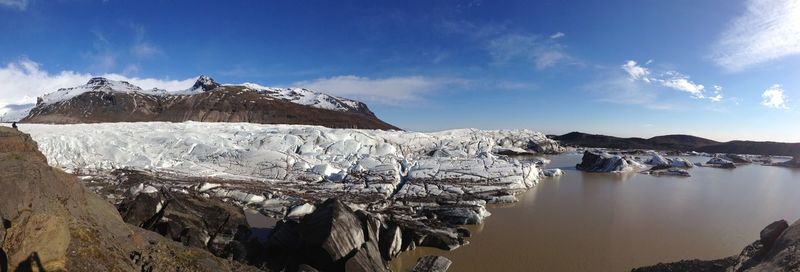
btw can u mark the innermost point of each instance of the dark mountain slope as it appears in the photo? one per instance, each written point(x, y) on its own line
point(679, 143)
point(667, 142)
point(104, 100)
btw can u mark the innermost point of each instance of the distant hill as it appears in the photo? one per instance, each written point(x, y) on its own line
point(104, 100)
point(679, 143)
point(751, 147)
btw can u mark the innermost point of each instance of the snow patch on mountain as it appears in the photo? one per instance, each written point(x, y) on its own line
point(304, 97)
point(206, 84)
point(97, 84)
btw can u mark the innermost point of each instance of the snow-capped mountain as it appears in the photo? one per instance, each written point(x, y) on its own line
point(104, 100)
point(97, 84)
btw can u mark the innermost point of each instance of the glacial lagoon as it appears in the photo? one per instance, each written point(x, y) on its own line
point(615, 222)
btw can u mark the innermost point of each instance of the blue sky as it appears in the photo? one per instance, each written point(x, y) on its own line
point(720, 69)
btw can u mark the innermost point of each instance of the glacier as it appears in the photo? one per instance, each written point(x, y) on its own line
point(282, 166)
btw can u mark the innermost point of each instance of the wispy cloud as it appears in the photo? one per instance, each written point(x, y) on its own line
point(635, 71)
point(768, 30)
point(505, 45)
point(557, 35)
point(619, 90)
point(24, 80)
point(543, 53)
point(101, 57)
point(15, 4)
point(681, 82)
point(475, 31)
point(775, 97)
point(110, 56)
point(391, 90)
point(670, 79)
point(717, 94)
point(141, 47)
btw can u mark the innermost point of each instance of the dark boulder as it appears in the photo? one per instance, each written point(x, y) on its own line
point(771, 233)
point(391, 241)
point(367, 258)
point(332, 227)
point(143, 210)
point(784, 253)
point(207, 223)
point(432, 264)
point(332, 238)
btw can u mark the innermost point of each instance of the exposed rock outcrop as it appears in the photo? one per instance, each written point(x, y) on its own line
point(208, 223)
point(51, 222)
point(332, 238)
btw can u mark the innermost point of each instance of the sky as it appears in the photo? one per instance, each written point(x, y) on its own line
point(720, 69)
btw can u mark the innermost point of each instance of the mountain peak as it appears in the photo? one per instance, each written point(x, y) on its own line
point(205, 83)
point(97, 81)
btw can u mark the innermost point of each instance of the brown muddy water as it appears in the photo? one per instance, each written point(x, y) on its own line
point(615, 222)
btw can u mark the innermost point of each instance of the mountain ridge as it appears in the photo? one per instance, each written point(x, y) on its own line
point(679, 142)
point(104, 100)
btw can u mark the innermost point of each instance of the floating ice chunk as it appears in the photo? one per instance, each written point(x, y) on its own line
point(555, 172)
point(682, 163)
point(658, 160)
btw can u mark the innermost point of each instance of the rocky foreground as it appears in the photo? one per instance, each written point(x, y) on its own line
point(344, 199)
point(778, 249)
point(50, 222)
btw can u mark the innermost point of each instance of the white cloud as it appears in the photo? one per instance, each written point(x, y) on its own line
point(768, 30)
point(390, 90)
point(543, 53)
point(774, 97)
point(636, 72)
point(17, 4)
point(24, 80)
point(717, 94)
point(557, 35)
point(670, 79)
point(682, 83)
